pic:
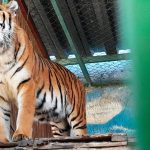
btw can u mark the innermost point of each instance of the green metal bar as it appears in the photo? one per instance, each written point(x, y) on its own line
point(5, 1)
point(72, 45)
point(93, 59)
point(137, 29)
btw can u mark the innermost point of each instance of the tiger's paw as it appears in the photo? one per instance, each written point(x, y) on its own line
point(19, 137)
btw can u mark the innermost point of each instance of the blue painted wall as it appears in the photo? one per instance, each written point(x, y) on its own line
point(113, 110)
point(109, 109)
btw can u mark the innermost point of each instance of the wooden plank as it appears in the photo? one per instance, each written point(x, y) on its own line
point(78, 148)
point(45, 141)
point(58, 51)
point(88, 142)
point(33, 28)
point(119, 138)
point(94, 59)
point(70, 39)
point(79, 27)
point(98, 138)
point(103, 21)
point(90, 145)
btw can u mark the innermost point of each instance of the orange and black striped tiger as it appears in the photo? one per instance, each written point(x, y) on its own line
point(40, 88)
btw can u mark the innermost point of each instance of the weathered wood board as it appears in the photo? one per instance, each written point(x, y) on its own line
point(102, 142)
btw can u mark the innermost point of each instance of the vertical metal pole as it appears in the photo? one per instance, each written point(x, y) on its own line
point(72, 45)
point(137, 27)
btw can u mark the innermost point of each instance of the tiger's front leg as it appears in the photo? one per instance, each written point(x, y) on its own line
point(26, 110)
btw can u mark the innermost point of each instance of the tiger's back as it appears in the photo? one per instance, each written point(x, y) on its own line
point(60, 98)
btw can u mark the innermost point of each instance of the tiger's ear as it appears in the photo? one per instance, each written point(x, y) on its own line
point(12, 6)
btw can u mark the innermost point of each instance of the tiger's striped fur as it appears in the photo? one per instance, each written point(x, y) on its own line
point(40, 88)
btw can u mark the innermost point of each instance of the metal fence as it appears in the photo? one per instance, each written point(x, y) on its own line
point(93, 26)
point(95, 46)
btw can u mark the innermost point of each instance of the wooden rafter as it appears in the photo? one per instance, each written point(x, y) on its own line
point(63, 7)
point(58, 51)
point(32, 27)
point(103, 21)
point(79, 26)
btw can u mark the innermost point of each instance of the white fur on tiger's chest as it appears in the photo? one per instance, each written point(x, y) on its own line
point(5, 89)
point(6, 59)
point(8, 86)
point(51, 108)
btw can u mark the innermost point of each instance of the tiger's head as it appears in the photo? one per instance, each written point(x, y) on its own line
point(7, 23)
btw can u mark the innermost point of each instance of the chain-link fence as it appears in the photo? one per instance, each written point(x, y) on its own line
point(105, 72)
point(55, 24)
point(98, 21)
point(96, 26)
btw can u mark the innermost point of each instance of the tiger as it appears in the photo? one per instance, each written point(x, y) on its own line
point(41, 89)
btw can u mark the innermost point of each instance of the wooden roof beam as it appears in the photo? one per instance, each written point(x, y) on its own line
point(103, 21)
point(32, 27)
point(79, 27)
point(59, 52)
point(65, 12)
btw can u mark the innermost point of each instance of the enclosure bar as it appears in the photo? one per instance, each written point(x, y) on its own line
point(94, 59)
point(103, 21)
point(58, 51)
point(32, 26)
point(70, 40)
point(136, 15)
point(79, 27)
